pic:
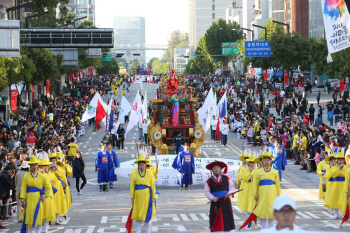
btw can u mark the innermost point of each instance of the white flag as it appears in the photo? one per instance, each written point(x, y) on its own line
point(124, 109)
point(90, 112)
point(135, 112)
point(204, 111)
point(144, 107)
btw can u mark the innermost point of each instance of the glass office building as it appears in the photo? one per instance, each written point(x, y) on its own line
point(316, 24)
point(83, 8)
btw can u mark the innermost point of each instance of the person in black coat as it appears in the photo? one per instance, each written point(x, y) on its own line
point(78, 172)
point(6, 184)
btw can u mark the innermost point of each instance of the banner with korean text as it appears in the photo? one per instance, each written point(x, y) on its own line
point(14, 100)
point(337, 24)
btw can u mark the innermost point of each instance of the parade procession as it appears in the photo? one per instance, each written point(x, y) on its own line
point(174, 116)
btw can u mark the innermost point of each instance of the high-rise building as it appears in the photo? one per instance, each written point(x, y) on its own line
point(235, 12)
point(204, 13)
point(248, 8)
point(17, 14)
point(297, 16)
point(262, 14)
point(83, 8)
point(129, 35)
point(316, 24)
point(276, 10)
point(180, 60)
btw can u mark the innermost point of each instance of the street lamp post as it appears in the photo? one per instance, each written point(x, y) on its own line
point(249, 30)
point(254, 25)
point(285, 24)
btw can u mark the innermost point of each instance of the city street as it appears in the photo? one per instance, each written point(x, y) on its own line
point(177, 211)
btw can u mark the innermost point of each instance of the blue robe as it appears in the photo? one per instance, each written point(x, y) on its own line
point(278, 153)
point(176, 164)
point(104, 163)
point(187, 167)
point(116, 163)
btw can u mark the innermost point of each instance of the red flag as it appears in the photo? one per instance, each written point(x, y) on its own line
point(252, 71)
point(265, 74)
point(217, 132)
point(252, 217)
point(14, 100)
point(48, 86)
point(346, 216)
point(341, 85)
point(128, 224)
point(285, 75)
point(71, 77)
point(218, 223)
point(100, 114)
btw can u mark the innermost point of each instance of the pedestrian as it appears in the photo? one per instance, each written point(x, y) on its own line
point(103, 165)
point(330, 117)
point(178, 141)
point(144, 129)
point(114, 132)
point(187, 166)
point(335, 94)
point(279, 157)
point(213, 124)
point(224, 129)
point(116, 164)
point(121, 136)
point(142, 194)
point(319, 120)
point(284, 212)
point(312, 114)
point(78, 172)
point(218, 189)
point(318, 98)
point(266, 187)
point(24, 169)
point(296, 147)
point(72, 150)
point(32, 184)
point(322, 168)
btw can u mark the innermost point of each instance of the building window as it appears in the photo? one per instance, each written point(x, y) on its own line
point(213, 7)
point(213, 16)
point(234, 3)
point(213, 0)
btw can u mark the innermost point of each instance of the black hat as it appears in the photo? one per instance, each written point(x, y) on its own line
point(8, 168)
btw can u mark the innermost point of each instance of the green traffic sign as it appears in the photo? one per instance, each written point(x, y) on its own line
point(230, 48)
point(107, 59)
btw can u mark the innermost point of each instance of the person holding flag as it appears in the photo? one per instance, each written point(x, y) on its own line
point(222, 109)
point(218, 189)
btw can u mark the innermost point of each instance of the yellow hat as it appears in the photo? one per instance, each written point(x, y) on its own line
point(242, 132)
point(53, 156)
point(59, 154)
point(60, 163)
point(141, 159)
point(42, 162)
point(251, 159)
point(243, 157)
point(33, 160)
point(47, 161)
point(266, 155)
point(257, 160)
point(340, 155)
point(331, 156)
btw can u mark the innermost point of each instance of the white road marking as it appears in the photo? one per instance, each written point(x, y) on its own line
point(327, 214)
point(84, 146)
point(312, 215)
point(132, 148)
point(204, 216)
point(184, 217)
point(132, 155)
point(104, 219)
point(205, 154)
point(90, 138)
point(194, 217)
point(303, 215)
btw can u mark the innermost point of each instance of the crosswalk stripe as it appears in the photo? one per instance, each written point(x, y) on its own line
point(194, 217)
point(312, 215)
point(184, 217)
point(124, 219)
point(327, 214)
point(104, 219)
point(303, 215)
point(235, 217)
point(126, 148)
point(132, 147)
point(204, 216)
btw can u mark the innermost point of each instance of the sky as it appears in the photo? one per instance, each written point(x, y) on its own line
point(161, 17)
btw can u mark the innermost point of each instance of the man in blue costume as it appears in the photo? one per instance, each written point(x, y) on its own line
point(187, 166)
point(103, 165)
point(116, 164)
point(279, 157)
point(177, 163)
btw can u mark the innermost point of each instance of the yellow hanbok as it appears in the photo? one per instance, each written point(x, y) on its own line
point(322, 168)
point(248, 197)
point(140, 192)
point(69, 171)
point(336, 179)
point(266, 186)
point(240, 183)
point(29, 192)
point(345, 202)
point(48, 204)
point(60, 197)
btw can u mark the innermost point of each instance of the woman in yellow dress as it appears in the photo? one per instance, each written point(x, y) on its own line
point(240, 181)
point(346, 192)
point(35, 188)
point(142, 194)
point(60, 185)
point(247, 176)
point(68, 171)
point(266, 187)
point(336, 179)
point(48, 204)
point(322, 168)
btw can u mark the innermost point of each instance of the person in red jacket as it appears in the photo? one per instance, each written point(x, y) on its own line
point(31, 139)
